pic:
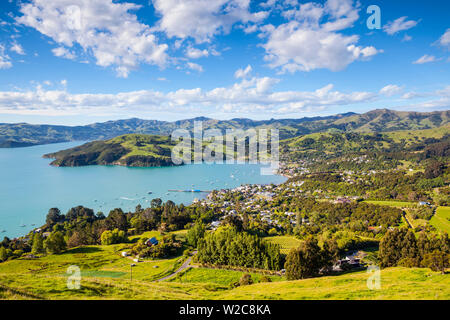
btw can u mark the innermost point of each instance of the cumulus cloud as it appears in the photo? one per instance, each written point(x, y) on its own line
point(425, 59)
point(5, 61)
point(203, 19)
point(17, 48)
point(391, 90)
point(400, 24)
point(195, 53)
point(104, 28)
point(440, 100)
point(243, 73)
point(194, 66)
point(244, 96)
point(311, 40)
point(64, 53)
point(445, 39)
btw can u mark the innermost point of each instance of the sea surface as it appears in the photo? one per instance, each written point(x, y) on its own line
point(29, 186)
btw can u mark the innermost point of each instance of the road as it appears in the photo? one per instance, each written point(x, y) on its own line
point(184, 266)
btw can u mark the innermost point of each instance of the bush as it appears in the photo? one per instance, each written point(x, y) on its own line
point(112, 237)
point(437, 261)
point(55, 243)
point(246, 280)
point(265, 279)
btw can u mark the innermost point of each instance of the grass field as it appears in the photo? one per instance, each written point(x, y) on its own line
point(286, 242)
point(441, 220)
point(397, 204)
point(106, 275)
point(216, 276)
point(396, 283)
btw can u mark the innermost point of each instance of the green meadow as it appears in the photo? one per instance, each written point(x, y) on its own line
point(441, 220)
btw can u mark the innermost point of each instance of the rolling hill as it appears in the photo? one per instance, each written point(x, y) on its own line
point(23, 134)
point(133, 150)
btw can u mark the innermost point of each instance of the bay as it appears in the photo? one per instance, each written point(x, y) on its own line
point(29, 186)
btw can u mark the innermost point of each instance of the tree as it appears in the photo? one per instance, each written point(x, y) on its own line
point(54, 216)
point(396, 245)
point(112, 237)
point(116, 220)
point(3, 254)
point(437, 261)
point(305, 261)
point(156, 203)
point(234, 221)
point(38, 244)
point(196, 233)
point(55, 243)
point(330, 253)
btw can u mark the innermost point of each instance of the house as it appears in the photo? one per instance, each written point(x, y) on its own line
point(151, 242)
point(124, 254)
point(215, 224)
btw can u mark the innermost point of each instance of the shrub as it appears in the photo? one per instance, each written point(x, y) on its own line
point(245, 280)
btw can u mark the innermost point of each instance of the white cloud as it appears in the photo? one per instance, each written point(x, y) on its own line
point(245, 96)
point(425, 59)
point(5, 61)
point(398, 25)
point(311, 40)
point(195, 53)
point(391, 90)
point(440, 100)
point(242, 73)
point(194, 66)
point(63, 53)
point(445, 39)
point(203, 19)
point(104, 28)
point(17, 48)
point(407, 38)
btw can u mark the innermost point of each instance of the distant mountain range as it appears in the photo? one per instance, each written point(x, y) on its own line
point(383, 120)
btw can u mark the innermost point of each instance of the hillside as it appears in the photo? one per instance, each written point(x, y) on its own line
point(133, 150)
point(105, 275)
point(22, 134)
point(336, 143)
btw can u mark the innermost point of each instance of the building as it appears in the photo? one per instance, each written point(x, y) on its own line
point(151, 242)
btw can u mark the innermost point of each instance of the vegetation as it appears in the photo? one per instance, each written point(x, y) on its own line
point(22, 134)
point(133, 150)
point(361, 186)
point(227, 246)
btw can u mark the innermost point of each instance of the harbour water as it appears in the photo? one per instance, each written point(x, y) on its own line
point(29, 186)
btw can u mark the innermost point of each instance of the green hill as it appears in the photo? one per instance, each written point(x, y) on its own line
point(23, 134)
point(336, 143)
point(133, 150)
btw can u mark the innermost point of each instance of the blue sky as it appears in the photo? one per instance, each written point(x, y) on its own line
point(80, 61)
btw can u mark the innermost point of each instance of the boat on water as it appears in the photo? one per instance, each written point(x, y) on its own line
point(149, 192)
point(3, 231)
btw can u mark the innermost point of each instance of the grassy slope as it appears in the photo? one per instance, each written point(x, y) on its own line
point(286, 242)
point(359, 141)
point(397, 204)
point(105, 275)
point(441, 220)
point(396, 283)
point(130, 150)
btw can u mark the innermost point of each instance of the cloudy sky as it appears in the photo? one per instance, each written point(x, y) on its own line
point(82, 61)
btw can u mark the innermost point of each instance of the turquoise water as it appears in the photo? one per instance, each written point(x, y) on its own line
point(29, 186)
